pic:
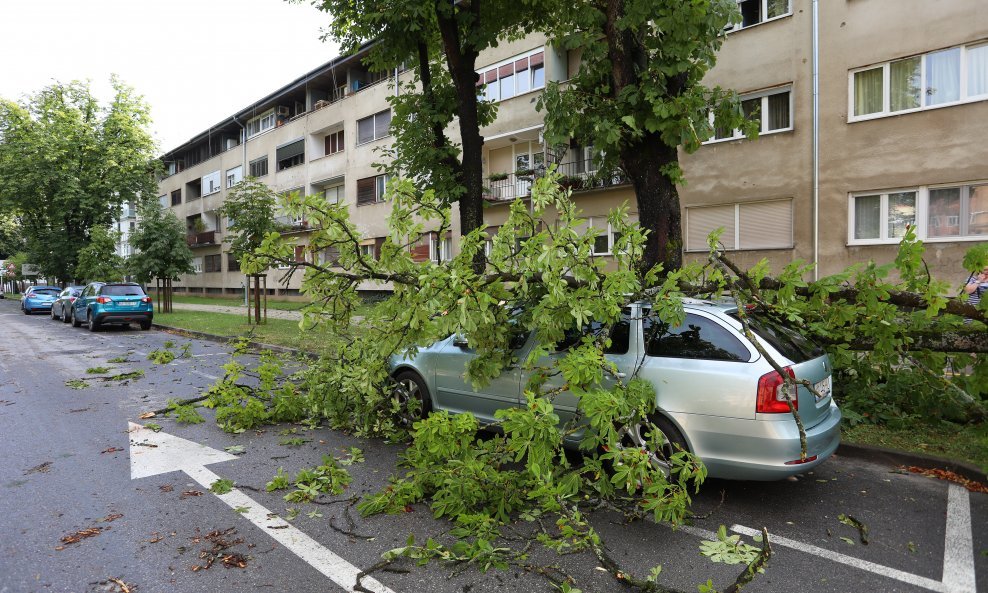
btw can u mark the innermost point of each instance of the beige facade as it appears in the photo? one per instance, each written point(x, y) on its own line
point(902, 109)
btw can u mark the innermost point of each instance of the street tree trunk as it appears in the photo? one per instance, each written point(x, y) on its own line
point(658, 201)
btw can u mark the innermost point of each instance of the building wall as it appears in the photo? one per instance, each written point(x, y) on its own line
point(908, 150)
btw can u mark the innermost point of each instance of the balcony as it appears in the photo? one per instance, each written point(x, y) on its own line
point(201, 239)
point(576, 175)
point(288, 224)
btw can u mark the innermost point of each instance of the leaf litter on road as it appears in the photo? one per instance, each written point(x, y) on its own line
point(852, 522)
point(942, 474)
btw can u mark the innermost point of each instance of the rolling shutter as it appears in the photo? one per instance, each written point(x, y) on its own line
point(366, 191)
point(291, 150)
point(765, 225)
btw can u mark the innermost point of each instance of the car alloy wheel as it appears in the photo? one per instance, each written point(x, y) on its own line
point(637, 435)
point(92, 323)
point(411, 397)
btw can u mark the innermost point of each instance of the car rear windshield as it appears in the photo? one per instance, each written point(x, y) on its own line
point(121, 290)
point(50, 291)
point(789, 342)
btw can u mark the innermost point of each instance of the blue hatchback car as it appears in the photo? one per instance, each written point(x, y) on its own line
point(39, 298)
point(105, 303)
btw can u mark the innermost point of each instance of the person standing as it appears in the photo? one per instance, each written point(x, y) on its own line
point(976, 286)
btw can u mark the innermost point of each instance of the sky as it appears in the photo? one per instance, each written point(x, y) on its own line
point(195, 62)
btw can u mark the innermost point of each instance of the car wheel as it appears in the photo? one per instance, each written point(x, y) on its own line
point(26, 310)
point(637, 436)
point(75, 321)
point(412, 397)
point(145, 325)
point(92, 324)
point(66, 315)
point(53, 316)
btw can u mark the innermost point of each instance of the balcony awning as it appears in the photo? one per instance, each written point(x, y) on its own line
point(291, 150)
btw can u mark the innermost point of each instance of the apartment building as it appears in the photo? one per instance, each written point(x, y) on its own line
point(871, 115)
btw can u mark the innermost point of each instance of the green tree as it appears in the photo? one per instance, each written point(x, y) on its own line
point(638, 97)
point(99, 259)
point(67, 164)
point(251, 208)
point(441, 41)
point(11, 237)
point(161, 251)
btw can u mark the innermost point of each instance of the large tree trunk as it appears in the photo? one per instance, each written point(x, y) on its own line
point(462, 62)
point(658, 201)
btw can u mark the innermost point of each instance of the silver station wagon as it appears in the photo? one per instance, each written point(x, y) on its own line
point(716, 395)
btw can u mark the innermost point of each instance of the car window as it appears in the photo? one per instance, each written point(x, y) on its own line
point(50, 291)
point(698, 338)
point(122, 290)
point(790, 343)
point(620, 335)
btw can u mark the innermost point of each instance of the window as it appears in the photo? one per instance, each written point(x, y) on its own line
point(748, 225)
point(329, 256)
point(234, 176)
point(211, 183)
point(370, 190)
point(232, 263)
point(334, 194)
point(512, 77)
point(334, 142)
point(213, 263)
point(197, 265)
point(759, 11)
point(373, 127)
point(163, 200)
point(291, 154)
point(697, 338)
point(943, 77)
point(371, 248)
point(771, 109)
point(176, 197)
point(259, 167)
point(441, 249)
point(937, 213)
point(261, 123)
point(620, 335)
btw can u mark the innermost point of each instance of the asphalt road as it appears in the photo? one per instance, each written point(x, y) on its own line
point(68, 459)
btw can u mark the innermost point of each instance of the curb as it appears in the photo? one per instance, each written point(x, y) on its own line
point(870, 453)
point(898, 458)
point(226, 340)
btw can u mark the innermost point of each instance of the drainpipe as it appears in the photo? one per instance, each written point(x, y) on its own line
point(816, 139)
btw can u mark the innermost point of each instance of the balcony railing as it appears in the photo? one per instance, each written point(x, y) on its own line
point(203, 238)
point(576, 175)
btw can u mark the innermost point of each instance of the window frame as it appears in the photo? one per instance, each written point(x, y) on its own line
point(922, 214)
point(377, 135)
point(264, 122)
point(763, 121)
point(964, 96)
point(234, 175)
point(250, 166)
point(739, 26)
point(485, 87)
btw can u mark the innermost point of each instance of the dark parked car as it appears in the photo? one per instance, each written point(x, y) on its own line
point(62, 307)
point(38, 298)
point(105, 303)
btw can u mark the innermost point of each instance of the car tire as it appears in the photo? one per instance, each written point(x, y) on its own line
point(66, 315)
point(412, 397)
point(53, 316)
point(637, 436)
point(26, 310)
point(91, 322)
point(75, 321)
point(145, 325)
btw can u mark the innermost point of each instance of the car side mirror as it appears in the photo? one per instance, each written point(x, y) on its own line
point(461, 342)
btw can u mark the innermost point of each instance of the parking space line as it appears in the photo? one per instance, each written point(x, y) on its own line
point(206, 375)
point(905, 577)
point(958, 545)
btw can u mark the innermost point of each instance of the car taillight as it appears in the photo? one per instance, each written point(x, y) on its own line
point(146, 299)
point(71, 299)
point(772, 392)
point(102, 300)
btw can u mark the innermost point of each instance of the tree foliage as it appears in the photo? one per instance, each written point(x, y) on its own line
point(250, 208)
point(99, 260)
point(160, 248)
point(11, 236)
point(638, 97)
point(67, 164)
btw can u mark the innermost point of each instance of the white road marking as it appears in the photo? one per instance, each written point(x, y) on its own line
point(885, 571)
point(171, 453)
point(206, 375)
point(958, 546)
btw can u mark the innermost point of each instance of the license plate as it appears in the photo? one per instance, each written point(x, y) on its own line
point(823, 388)
point(128, 304)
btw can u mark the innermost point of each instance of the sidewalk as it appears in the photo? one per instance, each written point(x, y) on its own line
point(238, 310)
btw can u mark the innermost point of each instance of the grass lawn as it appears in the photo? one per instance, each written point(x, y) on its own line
point(967, 443)
point(229, 301)
point(279, 332)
